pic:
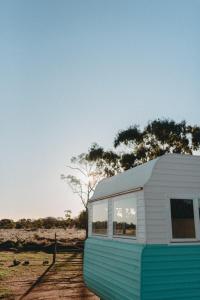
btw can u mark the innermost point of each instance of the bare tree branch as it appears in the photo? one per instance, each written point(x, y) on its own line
point(85, 177)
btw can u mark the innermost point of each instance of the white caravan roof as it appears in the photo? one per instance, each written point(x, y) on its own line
point(129, 180)
point(134, 178)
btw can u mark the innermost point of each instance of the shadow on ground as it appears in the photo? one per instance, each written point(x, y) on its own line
point(63, 280)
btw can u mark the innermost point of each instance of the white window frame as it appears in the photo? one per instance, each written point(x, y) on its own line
point(98, 203)
point(121, 236)
point(197, 216)
point(196, 219)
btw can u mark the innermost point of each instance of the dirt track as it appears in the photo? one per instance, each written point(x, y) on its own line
point(62, 281)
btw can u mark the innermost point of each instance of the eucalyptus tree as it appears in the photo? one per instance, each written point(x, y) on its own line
point(83, 177)
point(141, 145)
point(131, 147)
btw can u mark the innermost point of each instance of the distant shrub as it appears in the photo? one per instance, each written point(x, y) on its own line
point(7, 224)
point(82, 220)
point(46, 223)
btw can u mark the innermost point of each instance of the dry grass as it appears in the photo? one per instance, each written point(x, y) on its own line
point(10, 275)
point(41, 239)
point(36, 280)
point(30, 235)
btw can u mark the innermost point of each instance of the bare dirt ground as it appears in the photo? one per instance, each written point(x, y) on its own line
point(34, 280)
point(63, 280)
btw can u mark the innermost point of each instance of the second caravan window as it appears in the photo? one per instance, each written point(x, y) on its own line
point(100, 218)
point(199, 207)
point(182, 215)
point(124, 222)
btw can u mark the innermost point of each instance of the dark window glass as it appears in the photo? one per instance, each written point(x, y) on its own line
point(199, 207)
point(182, 214)
point(124, 222)
point(100, 218)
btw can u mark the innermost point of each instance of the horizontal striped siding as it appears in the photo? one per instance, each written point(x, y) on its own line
point(171, 272)
point(174, 176)
point(112, 269)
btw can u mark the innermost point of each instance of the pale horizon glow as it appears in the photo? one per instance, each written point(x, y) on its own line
point(75, 72)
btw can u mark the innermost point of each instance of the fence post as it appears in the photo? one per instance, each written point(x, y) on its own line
point(55, 249)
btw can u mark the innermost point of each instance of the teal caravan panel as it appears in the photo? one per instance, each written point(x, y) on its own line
point(170, 272)
point(112, 269)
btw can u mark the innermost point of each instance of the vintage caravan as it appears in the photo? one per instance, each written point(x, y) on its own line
point(144, 232)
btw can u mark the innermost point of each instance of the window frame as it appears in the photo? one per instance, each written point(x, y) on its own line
point(98, 203)
point(197, 215)
point(121, 236)
point(196, 219)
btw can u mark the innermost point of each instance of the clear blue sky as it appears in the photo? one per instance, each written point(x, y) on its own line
point(75, 72)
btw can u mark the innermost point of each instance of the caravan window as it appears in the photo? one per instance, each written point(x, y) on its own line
point(199, 207)
point(182, 215)
point(100, 218)
point(124, 222)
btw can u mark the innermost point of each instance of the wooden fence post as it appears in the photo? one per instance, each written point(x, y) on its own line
point(55, 250)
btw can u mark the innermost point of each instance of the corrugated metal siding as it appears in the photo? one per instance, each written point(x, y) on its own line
point(112, 269)
point(170, 272)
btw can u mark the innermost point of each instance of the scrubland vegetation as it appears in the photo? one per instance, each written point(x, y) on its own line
point(39, 234)
point(40, 239)
point(47, 223)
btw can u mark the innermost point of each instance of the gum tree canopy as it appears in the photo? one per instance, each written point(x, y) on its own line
point(137, 146)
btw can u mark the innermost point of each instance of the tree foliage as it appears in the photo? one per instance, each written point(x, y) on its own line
point(82, 220)
point(46, 223)
point(107, 161)
point(141, 145)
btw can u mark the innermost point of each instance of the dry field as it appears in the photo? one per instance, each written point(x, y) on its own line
point(39, 234)
point(38, 278)
point(41, 239)
point(67, 234)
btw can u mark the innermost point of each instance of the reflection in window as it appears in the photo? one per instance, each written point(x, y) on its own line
point(100, 218)
point(125, 217)
point(182, 215)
